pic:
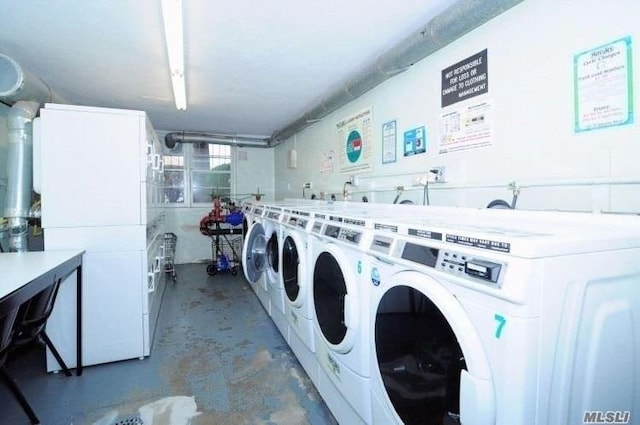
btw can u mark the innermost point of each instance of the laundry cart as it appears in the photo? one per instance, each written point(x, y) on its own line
point(225, 232)
point(170, 240)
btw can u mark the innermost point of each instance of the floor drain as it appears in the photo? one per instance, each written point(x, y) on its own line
point(129, 420)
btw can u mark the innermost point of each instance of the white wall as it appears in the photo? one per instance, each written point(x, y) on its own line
point(530, 65)
point(252, 168)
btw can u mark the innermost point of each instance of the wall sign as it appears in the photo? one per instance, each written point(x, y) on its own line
point(415, 141)
point(603, 86)
point(354, 142)
point(466, 128)
point(389, 135)
point(466, 79)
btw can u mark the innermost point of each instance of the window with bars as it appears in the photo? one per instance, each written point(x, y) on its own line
point(174, 181)
point(210, 172)
point(202, 170)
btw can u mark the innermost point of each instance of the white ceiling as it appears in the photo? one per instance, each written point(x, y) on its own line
point(251, 67)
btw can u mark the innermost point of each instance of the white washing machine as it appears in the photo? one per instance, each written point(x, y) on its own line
point(273, 214)
point(255, 258)
point(295, 263)
point(337, 241)
point(519, 318)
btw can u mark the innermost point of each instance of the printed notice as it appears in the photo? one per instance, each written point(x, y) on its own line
point(467, 128)
point(603, 86)
point(466, 79)
point(415, 141)
point(354, 142)
point(389, 142)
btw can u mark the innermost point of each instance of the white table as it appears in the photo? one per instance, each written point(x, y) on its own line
point(25, 274)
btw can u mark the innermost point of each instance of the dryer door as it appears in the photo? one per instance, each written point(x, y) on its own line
point(335, 297)
point(294, 268)
point(430, 360)
point(254, 253)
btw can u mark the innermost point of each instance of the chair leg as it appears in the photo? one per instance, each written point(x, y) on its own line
point(55, 353)
point(13, 386)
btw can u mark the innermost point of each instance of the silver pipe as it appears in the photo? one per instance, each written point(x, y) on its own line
point(25, 92)
point(18, 84)
point(457, 20)
point(170, 139)
point(19, 172)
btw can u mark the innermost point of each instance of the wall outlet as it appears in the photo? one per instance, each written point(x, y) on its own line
point(307, 185)
point(437, 175)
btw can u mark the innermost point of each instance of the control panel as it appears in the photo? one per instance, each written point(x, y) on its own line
point(453, 262)
point(343, 234)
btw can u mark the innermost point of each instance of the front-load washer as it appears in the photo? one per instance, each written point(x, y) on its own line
point(295, 263)
point(274, 214)
point(340, 318)
point(255, 254)
point(507, 317)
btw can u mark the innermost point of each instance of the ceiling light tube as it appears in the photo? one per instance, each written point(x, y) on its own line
point(172, 16)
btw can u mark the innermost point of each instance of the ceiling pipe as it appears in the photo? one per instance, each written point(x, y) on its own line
point(170, 139)
point(18, 84)
point(25, 92)
point(456, 21)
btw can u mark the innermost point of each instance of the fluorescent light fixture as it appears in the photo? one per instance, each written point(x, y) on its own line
point(172, 16)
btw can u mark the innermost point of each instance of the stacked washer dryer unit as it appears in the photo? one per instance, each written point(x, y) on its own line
point(520, 318)
point(255, 260)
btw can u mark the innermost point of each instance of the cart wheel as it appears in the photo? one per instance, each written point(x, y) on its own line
point(234, 271)
point(212, 269)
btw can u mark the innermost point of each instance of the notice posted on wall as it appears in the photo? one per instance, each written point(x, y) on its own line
point(603, 86)
point(415, 141)
point(389, 135)
point(467, 128)
point(465, 79)
point(326, 162)
point(355, 144)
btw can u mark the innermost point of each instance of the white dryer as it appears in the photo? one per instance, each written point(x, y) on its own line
point(274, 214)
point(505, 317)
point(295, 261)
point(255, 258)
point(340, 318)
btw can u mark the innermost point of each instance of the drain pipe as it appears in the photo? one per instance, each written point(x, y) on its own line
point(25, 92)
point(170, 139)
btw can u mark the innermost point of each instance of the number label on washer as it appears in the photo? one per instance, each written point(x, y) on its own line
point(500, 327)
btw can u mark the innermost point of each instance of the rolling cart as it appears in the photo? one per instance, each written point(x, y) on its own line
point(225, 232)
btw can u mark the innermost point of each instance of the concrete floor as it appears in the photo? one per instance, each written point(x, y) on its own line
point(214, 345)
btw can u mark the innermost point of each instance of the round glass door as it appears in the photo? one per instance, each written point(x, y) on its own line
point(329, 292)
point(273, 252)
point(254, 255)
point(419, 358)
point(290, 262)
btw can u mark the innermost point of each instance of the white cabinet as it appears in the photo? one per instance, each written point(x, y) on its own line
point(102, 179)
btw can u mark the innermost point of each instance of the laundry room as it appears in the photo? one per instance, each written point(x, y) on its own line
point(319, 213)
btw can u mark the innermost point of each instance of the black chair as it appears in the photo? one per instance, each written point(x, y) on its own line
point(6, 335)
point(32, 319)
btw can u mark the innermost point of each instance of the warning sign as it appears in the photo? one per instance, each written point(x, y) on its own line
point(465, 79)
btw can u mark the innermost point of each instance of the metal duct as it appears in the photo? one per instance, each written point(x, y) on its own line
point(459, 19)
point(17, 84)
point(170, 139)
point(19, 172)
point(26, 93)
